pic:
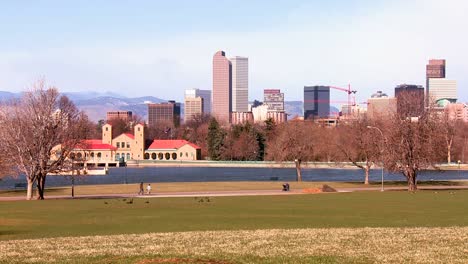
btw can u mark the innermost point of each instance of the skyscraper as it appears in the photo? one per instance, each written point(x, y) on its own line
point(205, 94)
point(412, 93)
point(164, 113)
point(193, 107)
point(316, 102)
point(442, 89)
point(274, 98)
point(222, 87)
point(240, 84)
point(124, 115)
point(434, 69)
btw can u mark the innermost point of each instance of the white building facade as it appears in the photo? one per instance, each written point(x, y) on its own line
point(441, 88)
point(205, 94)
point(240, 84)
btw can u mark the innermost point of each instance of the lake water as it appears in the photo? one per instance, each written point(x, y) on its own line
point(203, 174)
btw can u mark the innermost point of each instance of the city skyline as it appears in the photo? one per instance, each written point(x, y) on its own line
point(124, 48)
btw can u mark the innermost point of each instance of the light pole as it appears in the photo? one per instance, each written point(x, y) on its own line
point(381, 151)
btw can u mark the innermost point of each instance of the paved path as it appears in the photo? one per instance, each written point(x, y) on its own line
point(228, 193)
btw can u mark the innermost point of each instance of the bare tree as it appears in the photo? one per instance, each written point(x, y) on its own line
point(360, 145)
point(294, 141)
point(411, 141)
point(32, 129)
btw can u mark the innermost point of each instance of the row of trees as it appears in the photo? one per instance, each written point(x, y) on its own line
point(33, 126)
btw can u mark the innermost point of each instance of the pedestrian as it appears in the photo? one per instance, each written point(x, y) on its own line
point(148, 189)
point(141, 192)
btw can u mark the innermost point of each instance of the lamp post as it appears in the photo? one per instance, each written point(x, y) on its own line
point(381, 151)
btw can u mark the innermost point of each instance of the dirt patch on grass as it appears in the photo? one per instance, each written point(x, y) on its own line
point(182, 260)
point(379, 245)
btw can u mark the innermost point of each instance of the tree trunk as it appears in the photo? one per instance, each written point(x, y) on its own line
point(412, 185)
point(366, 179)
point(29, 193)
point(41, 187)
point(298, 170)
point(449, 156)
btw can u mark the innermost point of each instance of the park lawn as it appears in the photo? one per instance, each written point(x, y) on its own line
point(82, 217)
point(361, 227)
point(172, 187)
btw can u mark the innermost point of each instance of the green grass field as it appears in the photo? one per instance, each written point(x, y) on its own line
point(323, 222)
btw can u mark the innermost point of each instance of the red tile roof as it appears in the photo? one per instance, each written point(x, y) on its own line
point(95, 144)
point(170, 144)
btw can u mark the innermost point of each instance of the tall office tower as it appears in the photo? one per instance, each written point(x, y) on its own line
point(164, 114)
point(316, 102)
point(274, 98)
point(240, 84)
point(124, 115)
point(193, 107)
point(411, 97)
point(441, 89)
point(222, 87)
point(205, 94)
point(434, 69)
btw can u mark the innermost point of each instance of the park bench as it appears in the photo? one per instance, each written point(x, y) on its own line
point(21, 185)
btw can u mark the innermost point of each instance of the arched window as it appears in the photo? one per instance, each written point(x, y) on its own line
point(117, 156)
point(99, 155)
point(147, 156)
point(181, 154)
point(160, 156)
point(174, 156)
point(128, 156)
point(153, 156)
point(167, 155)
point(186, 154)
point(72, 155)
point(92, 155)
point(79, 155)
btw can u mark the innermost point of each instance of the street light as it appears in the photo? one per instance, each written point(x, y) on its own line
point(381, 151)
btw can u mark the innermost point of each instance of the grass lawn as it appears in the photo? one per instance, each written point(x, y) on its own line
point(328, 227)
point(171, 187)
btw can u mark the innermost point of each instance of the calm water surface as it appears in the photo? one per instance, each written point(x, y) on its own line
point(203, 174)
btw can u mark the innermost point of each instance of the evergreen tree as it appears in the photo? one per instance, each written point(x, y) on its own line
point(215, 139)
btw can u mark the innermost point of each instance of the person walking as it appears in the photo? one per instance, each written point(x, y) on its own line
point(141, 192)
point(148, 189)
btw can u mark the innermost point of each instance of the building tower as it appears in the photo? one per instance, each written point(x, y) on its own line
point(274, 98)
point(193, 107)
point(138, 147)
point(205, 94)
point(434, 69)
point(222, 87)
point(240, 84)
point(164, 113)
point(316, 102)
point(107, 134)
point(414, 93)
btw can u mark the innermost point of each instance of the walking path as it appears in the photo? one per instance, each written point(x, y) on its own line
point(227, 193)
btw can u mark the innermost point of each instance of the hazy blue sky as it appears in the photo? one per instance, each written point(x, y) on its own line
point(160, 48)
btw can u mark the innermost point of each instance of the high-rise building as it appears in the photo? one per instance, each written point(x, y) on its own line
point(410, 99)
point(222, 87)
point(457, 111)
point(205, 94)
point(434, 69)
point(442, 89)
point(164, 113)
point(316, 102)
point(274, 98)
point(193, 107)
point(124, 115)
point(240, 84)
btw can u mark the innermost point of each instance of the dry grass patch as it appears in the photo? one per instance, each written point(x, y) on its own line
point(380, 245)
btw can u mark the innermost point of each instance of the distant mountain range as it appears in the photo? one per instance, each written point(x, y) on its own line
point(97, 104)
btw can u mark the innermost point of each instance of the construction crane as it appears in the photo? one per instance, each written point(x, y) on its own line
point(348, 91)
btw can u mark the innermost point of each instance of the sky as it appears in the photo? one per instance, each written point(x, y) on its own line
point(161, 48)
